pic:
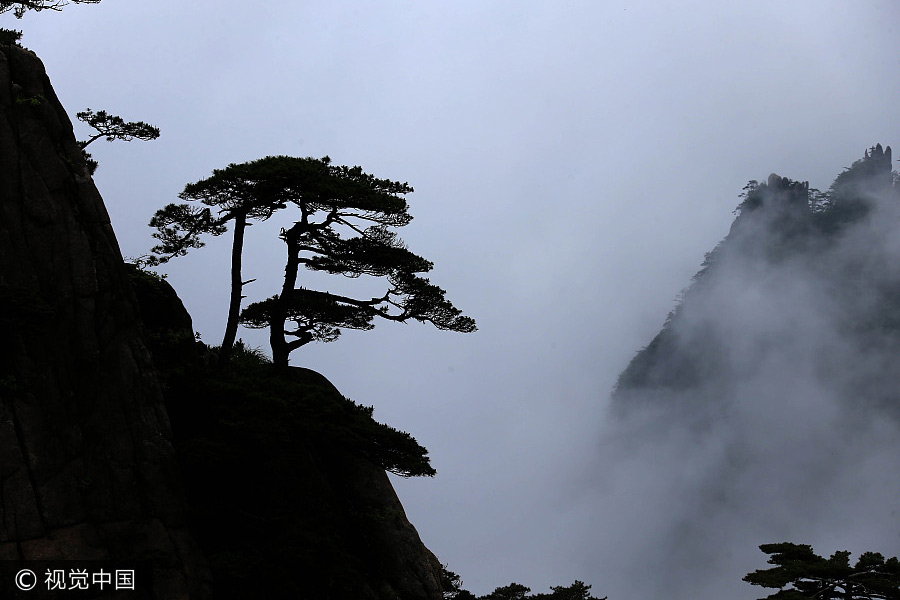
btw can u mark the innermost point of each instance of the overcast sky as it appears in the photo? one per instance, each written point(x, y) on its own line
point(572, 161)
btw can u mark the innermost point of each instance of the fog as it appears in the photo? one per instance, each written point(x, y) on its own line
point(572, 164)
point(767, 413)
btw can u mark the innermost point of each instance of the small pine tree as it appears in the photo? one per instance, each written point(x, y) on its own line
point(800, 573)
point(20, 7)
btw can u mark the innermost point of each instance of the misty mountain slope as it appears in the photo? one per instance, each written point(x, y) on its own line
point(803, 274)
point(767, 408)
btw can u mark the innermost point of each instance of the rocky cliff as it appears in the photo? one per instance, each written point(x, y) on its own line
point(87, 464)
point(285, 477)
point(280, 480)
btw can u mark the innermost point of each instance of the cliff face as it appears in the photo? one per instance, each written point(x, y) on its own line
point(284, 486)
point(87, 468)
point(285, 477)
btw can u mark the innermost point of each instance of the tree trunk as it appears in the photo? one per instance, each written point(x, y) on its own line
point(237, 285)
point(276, 339)
point(280, 349)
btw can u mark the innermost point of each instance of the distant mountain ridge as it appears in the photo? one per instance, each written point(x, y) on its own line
point(778, 221)
point(767, 408)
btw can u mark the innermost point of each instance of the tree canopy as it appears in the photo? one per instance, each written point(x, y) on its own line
point(451, 583)
point(800, 573)
point(341, 226)
point(112, 127)
point(20, 7)
point(238, 193)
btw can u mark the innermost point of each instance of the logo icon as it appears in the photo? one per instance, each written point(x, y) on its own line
point(26, 579)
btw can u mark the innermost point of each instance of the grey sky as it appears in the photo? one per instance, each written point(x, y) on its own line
point(573, 162)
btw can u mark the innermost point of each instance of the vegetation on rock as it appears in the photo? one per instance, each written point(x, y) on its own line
point(10, 36)
point(112, 127)
point(453, 590)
